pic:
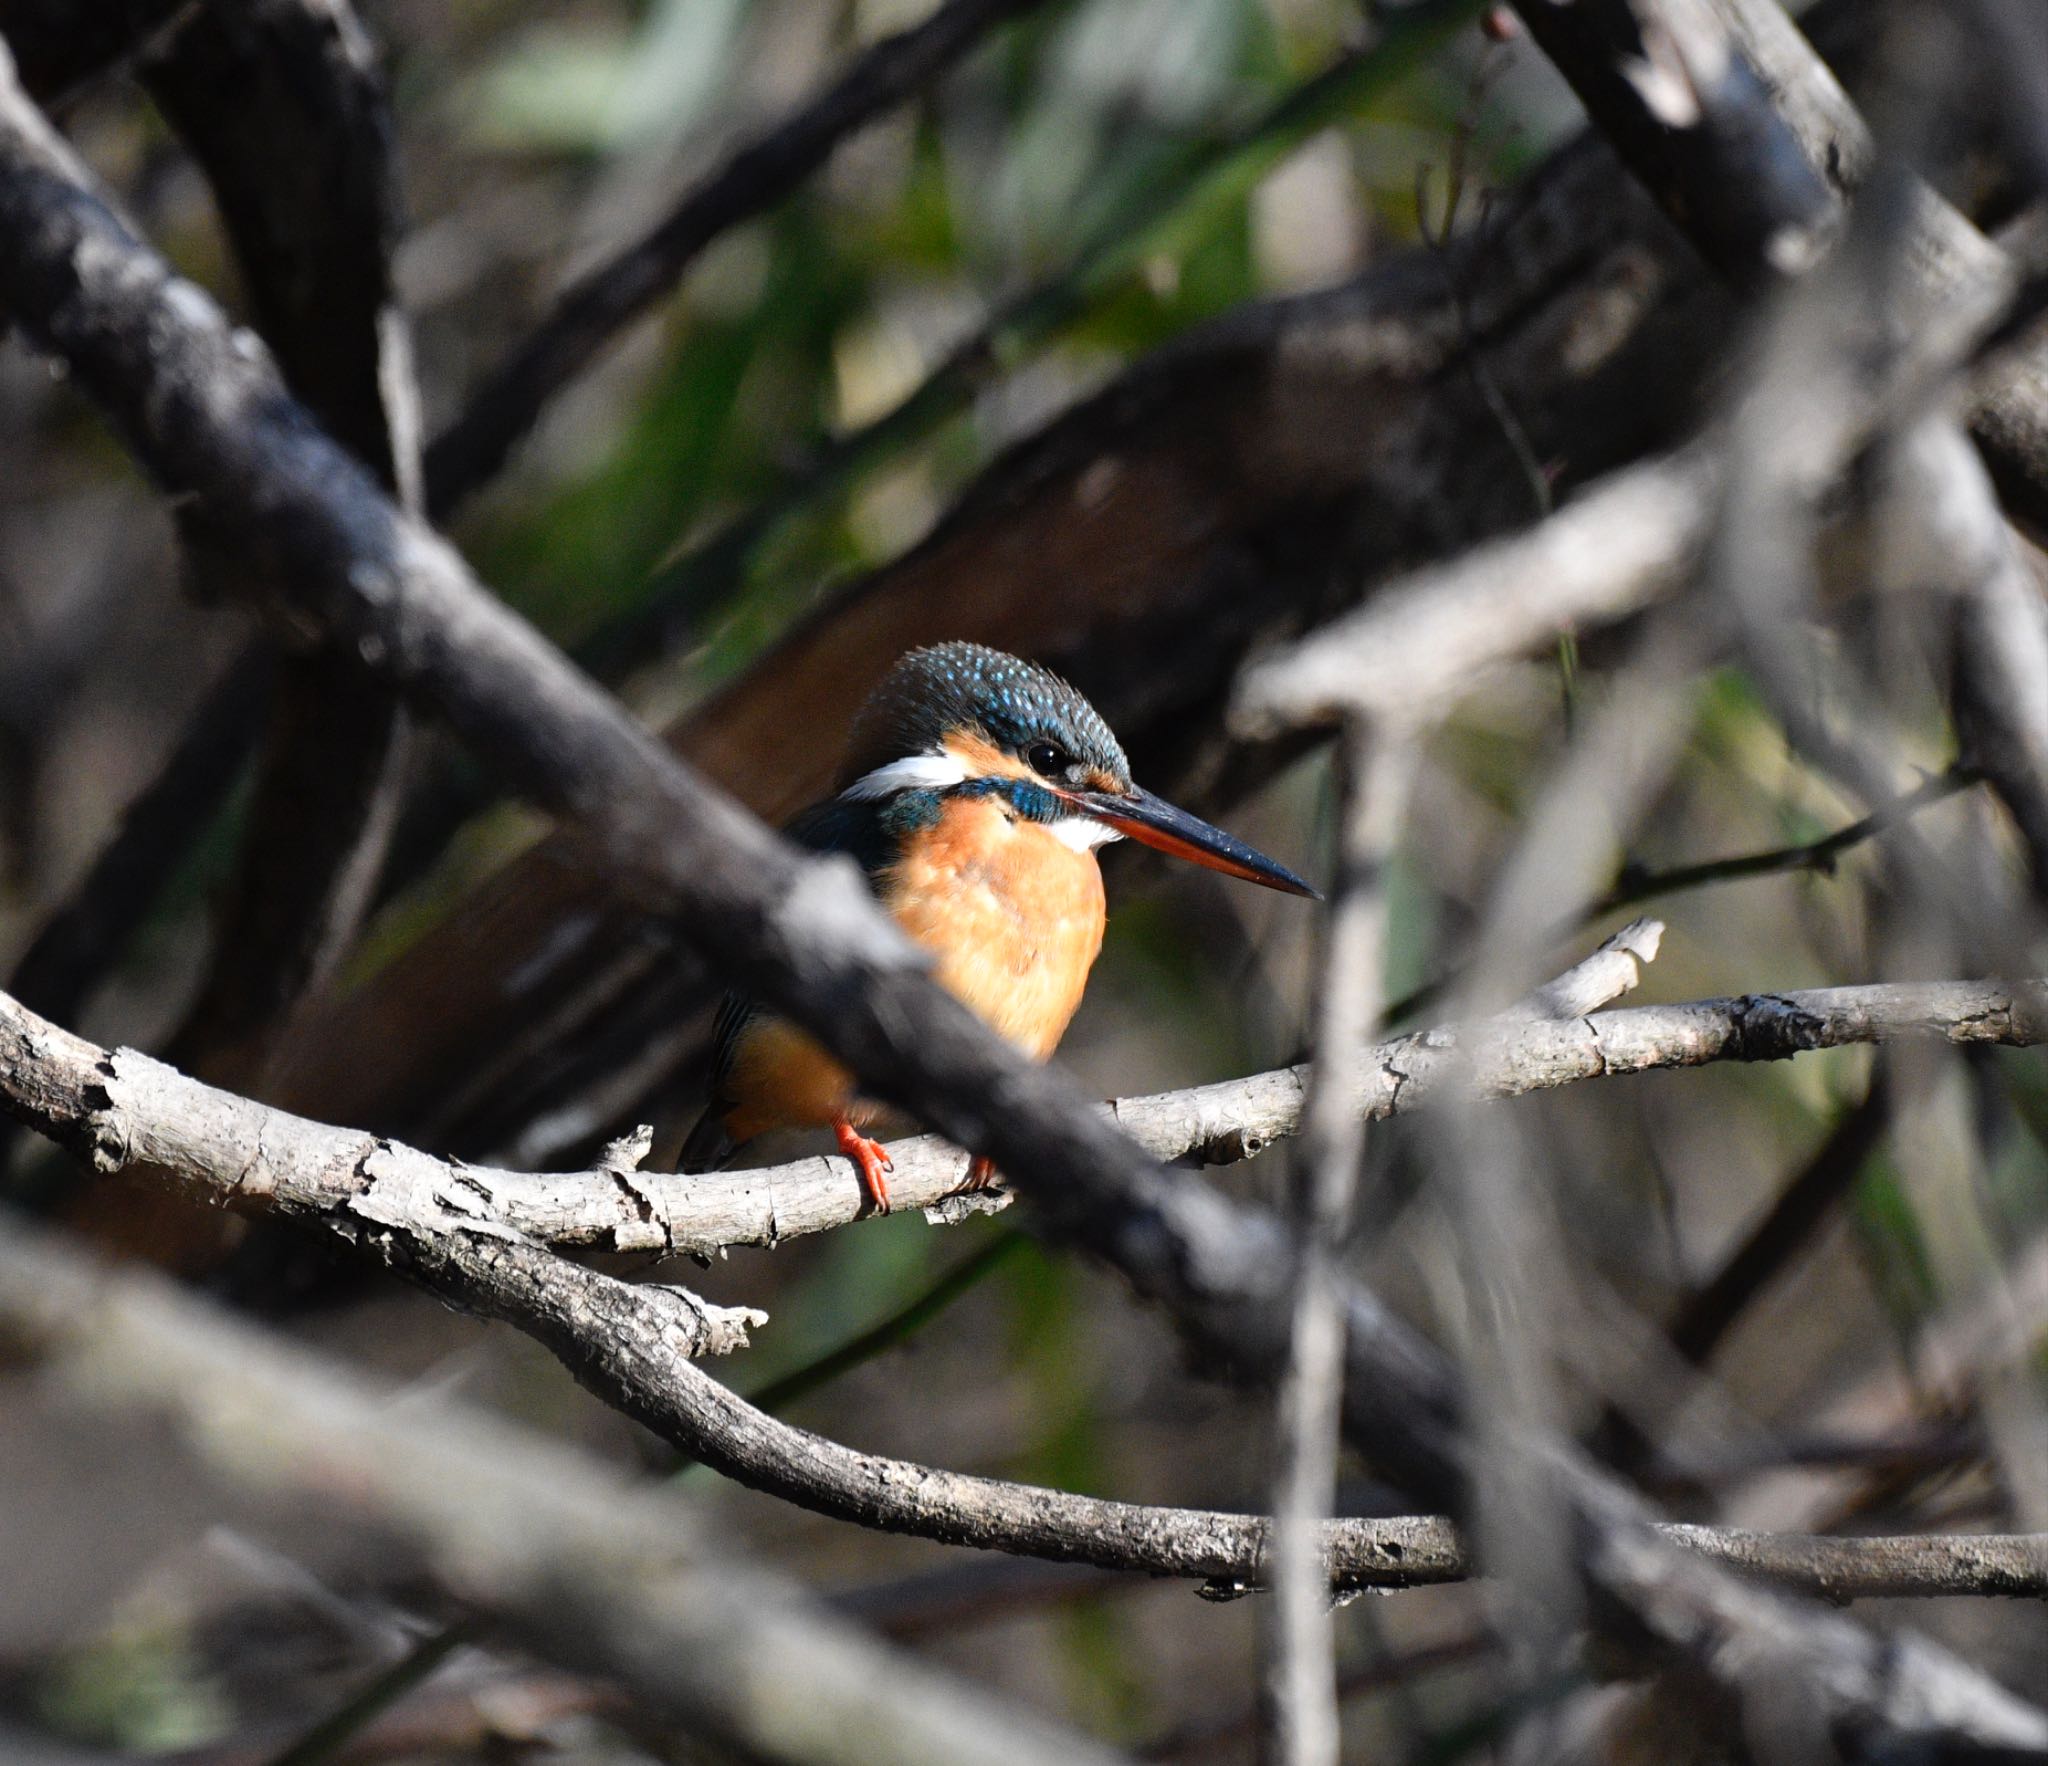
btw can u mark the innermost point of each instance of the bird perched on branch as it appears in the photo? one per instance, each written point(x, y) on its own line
point(976, 790)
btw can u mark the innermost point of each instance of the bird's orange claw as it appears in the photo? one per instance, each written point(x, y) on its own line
point(871, 1159)
point(981, 1175)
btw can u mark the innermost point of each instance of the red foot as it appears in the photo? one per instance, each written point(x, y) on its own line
point(871, 1159)
point(981, 1175)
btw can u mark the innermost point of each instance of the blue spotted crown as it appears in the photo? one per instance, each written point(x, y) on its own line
point(968, 686)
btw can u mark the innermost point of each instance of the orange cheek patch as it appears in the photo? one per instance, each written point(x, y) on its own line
point(982, 759)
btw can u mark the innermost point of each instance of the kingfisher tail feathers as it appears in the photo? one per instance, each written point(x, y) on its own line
point(710, 1144)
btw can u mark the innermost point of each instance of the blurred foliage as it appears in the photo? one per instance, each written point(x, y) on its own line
point(140, 1685)
point(1100, 157)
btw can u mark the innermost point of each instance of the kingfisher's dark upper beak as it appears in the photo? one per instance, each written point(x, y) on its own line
point(1156, 822)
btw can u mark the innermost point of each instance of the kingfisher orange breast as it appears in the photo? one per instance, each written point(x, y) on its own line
point(1012, 914)
point(1013, 917)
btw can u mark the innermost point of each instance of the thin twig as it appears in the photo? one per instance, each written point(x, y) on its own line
point(1378, 776)
point(1636, 884)
point(333, 1732)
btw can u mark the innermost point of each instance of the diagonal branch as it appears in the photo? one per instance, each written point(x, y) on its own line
point(1691, 123)
point(323, 304)
point(1665, 83)
point(211, 422)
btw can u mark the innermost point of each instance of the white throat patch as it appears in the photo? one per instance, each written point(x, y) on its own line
point(936, 772)
point(916, 772)
point(1082, 833)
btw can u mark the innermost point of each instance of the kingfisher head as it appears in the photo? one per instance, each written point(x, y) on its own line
point(959, 720)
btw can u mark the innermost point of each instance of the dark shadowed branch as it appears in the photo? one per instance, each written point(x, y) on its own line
point(59, 45)
point(1665, 82)
point(78, 944)
point(302, 169)
point(1784, 1229)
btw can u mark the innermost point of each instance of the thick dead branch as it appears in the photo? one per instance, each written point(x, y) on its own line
point(1666, 84)
point(610, 296)
point(582, 1565)
point(633, 1343)
point(357, 1182)
point(206, 413)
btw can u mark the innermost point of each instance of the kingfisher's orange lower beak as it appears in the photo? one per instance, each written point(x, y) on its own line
point(1156, 822)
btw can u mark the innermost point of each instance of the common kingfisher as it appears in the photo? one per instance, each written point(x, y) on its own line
point(976, 789)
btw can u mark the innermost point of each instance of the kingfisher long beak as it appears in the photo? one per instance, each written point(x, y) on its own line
point(1156, 822)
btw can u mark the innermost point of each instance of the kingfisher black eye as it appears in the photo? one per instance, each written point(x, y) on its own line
point(1047, 758)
